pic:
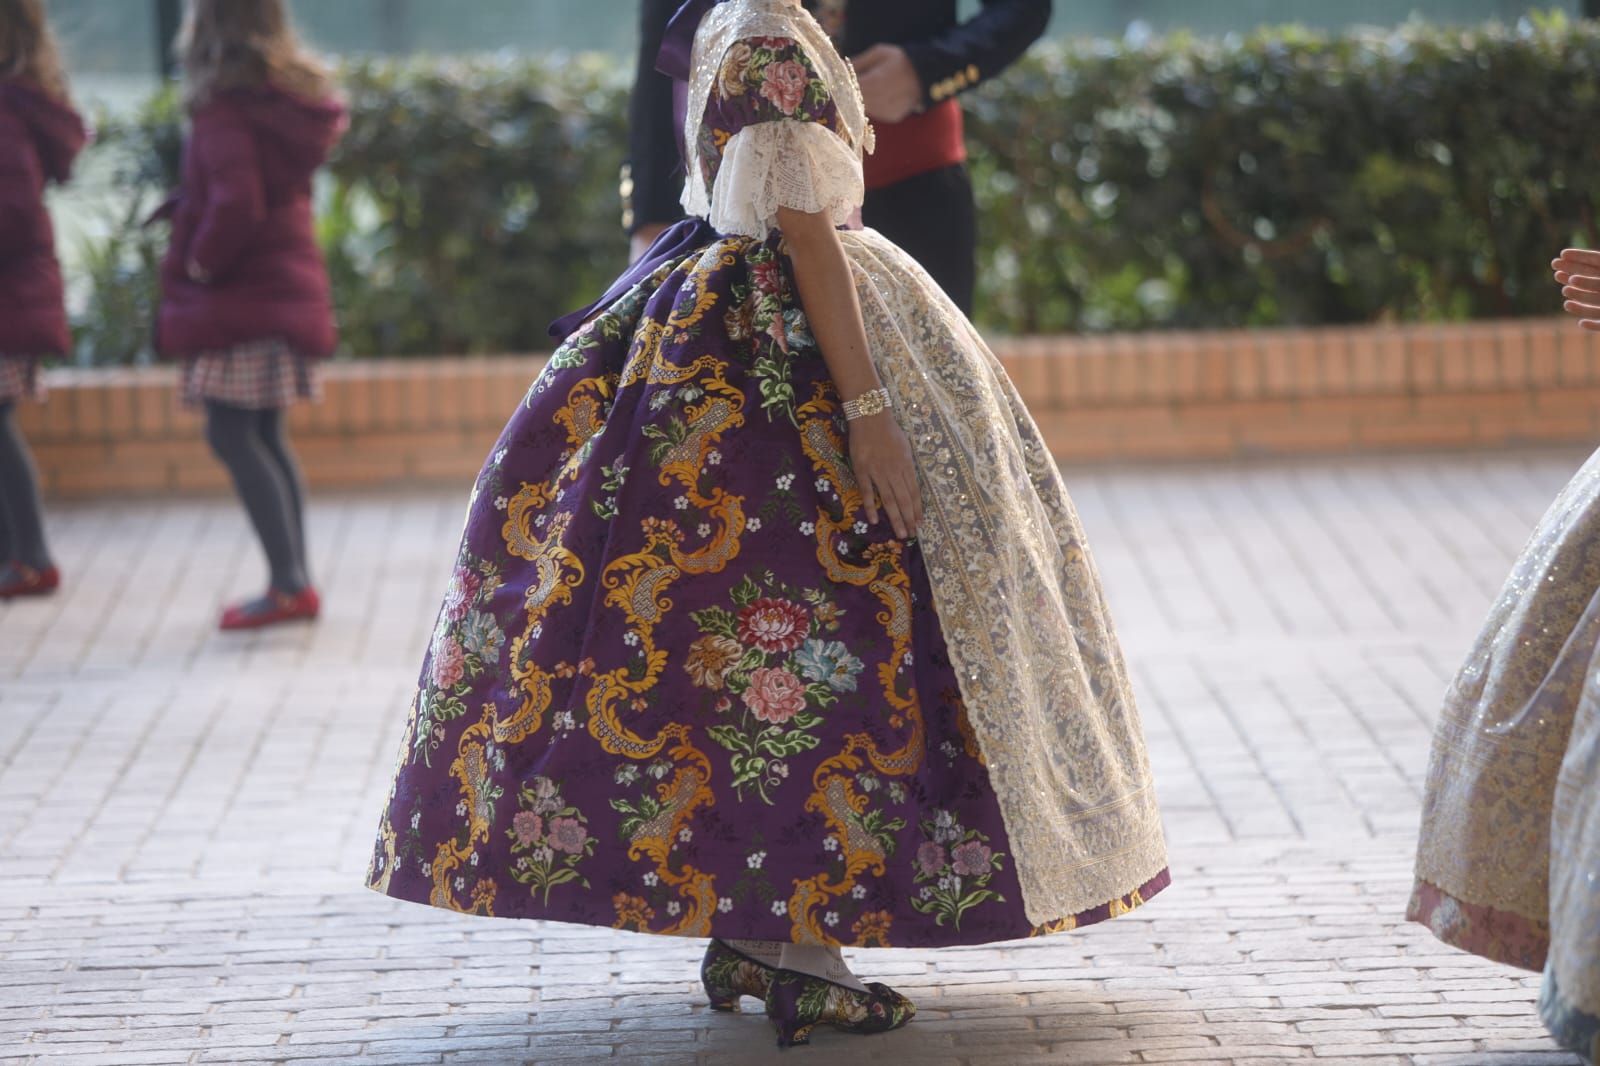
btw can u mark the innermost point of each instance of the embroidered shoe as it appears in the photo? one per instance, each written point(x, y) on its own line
point(728, 973)
point(17, 580)
point(798, 1003)
point(273, 609)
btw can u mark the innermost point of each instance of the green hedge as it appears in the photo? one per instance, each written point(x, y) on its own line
point(1284, 178)
point(470, 203)
point(473, 203)
point(1289, 178)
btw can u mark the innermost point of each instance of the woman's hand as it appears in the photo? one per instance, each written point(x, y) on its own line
point(1578, 274)
point(880, 454)
point(881, 457)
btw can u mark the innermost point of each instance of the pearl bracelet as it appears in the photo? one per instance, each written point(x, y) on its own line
point(867, 404)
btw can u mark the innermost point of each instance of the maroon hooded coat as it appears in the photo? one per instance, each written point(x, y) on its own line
point(39, 139)
point(244, 218)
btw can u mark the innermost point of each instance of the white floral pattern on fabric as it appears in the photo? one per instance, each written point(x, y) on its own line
point(799, 165)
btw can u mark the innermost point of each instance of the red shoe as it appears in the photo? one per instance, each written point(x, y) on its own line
point(274, 608)
point(18, 580)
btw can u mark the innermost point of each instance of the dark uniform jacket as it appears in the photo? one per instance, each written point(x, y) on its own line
point(950, 57)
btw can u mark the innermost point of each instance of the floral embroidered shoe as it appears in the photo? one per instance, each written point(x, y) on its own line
point(798, 1003)
point(728, 973)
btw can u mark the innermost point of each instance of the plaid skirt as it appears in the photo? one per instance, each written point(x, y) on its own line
point(258, 376)
point(20, 379)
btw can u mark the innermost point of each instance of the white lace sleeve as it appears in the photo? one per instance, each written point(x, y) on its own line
point(803, 166)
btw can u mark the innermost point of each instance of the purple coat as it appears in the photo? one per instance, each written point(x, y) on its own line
point(39, 139)
point(244, 217)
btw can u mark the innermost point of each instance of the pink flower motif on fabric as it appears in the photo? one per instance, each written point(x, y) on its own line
point(449, 663)
point(774, 625)
point(971, 859)
point(930, 858)
point(528, 827)
point(784, 84)
point(775, 695)
point(462, 594)
point(568, 835)
point(767, 276)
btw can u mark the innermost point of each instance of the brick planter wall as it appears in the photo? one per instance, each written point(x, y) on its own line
point(382, 423)
point(1152, 395)
point(1337, 389)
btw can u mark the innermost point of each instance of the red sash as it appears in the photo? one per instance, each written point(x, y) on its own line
point(931, 140)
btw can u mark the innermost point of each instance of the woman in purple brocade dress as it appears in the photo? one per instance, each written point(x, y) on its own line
point(772, 621)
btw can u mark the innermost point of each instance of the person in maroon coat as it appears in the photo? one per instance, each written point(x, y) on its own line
point(245, 301)
point(40, 136)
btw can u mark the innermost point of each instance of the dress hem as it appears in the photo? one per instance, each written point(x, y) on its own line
point(1116, 908)
point(1488, 932)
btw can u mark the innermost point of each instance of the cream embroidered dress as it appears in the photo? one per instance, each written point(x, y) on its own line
point(680, 686)
point(1509, 861)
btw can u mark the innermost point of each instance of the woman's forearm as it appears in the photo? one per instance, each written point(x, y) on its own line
point(828, 293)
point(880, 455)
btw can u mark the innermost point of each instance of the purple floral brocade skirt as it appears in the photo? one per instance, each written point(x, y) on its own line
point(678, 685)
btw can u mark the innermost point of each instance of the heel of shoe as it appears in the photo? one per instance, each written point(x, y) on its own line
point(795, 1005)
point(792, 1035)
point(722, 997)
point(727, 975)
point(719, 994)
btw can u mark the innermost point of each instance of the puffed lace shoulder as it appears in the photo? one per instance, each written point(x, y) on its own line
point(803, 166)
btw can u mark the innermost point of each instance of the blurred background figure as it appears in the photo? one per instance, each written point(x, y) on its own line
point(913, 58)
point(245, 298)
point(40, 137)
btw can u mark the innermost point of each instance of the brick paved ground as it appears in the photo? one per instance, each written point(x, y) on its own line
point(184, 818)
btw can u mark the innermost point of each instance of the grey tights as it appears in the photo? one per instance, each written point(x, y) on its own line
point(252, 445)
point(21, 512)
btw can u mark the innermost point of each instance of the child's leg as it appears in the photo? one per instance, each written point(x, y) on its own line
point(8, 538)
point(274, 435)
point(21, 510)
point(232, 434)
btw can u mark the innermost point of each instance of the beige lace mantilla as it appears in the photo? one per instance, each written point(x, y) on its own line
point(1508, 719)
point(1019, 601)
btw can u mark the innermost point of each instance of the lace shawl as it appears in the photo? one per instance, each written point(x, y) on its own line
point(1019, 600)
